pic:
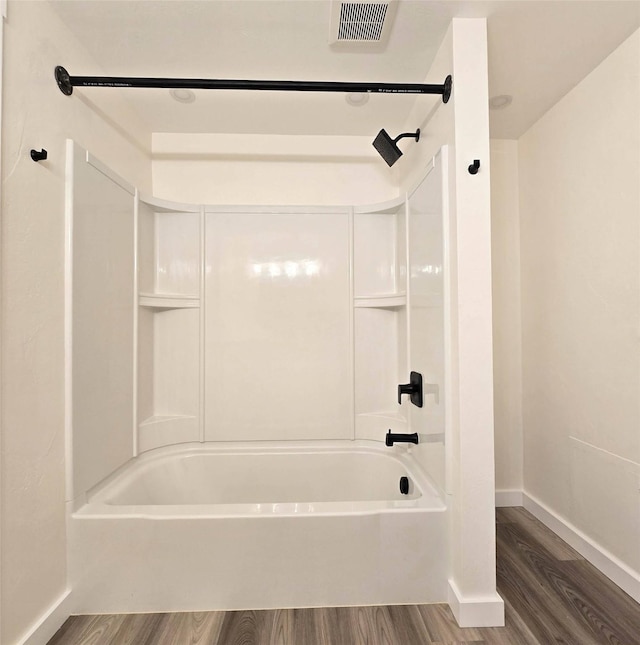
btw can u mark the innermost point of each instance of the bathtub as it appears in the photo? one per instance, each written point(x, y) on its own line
point(200, 527)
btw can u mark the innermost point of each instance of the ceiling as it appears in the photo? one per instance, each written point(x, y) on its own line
point(538, 51)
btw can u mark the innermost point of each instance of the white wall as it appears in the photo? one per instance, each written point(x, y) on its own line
point(579, 169)
point(472, 450)
point(434, 118)
point(3, 15)
point(463, 124)
point(36, 114)
point(269, 169)
point(507, 342)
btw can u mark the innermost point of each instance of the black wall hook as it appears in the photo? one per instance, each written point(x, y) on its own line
point(474, 167)
point(39, 156)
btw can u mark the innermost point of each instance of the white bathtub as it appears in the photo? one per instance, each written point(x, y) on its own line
point(196, 527)
point(264, 479)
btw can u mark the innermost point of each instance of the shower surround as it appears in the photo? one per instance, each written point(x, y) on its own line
point(220, 328)
point(246, 372)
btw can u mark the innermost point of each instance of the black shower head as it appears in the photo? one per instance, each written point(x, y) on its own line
point(388, 147)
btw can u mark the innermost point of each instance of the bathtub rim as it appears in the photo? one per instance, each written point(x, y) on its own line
point(92, 505)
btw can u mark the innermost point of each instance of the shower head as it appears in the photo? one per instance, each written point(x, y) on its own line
point(388, 147)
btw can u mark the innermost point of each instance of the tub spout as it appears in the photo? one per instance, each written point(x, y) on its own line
point(392, 438)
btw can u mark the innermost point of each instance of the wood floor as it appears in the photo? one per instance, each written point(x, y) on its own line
point(552, 595)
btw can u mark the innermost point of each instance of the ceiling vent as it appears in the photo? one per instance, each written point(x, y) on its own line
point(366, 21)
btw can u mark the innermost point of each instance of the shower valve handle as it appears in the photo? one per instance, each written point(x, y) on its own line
point(413, 388)
point(409, 388)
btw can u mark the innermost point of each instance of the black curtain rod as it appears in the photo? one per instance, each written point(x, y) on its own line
point(66, 83)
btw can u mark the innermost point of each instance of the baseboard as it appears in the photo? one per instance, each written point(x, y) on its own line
point(49, 623)
point(476, 611)
point(624, 576)
point(509, 498)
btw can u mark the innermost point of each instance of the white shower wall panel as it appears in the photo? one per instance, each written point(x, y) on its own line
point(100, 373)
point(375, 254)
point(427, 271)
point(176, 249)
point(278, 359)
point(176, 348)
point(376, 362)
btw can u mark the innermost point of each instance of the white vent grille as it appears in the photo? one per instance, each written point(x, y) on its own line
point(361, 21)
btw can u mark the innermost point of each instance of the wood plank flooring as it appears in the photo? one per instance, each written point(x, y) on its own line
point(552, 596)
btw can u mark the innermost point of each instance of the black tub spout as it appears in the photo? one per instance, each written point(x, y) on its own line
point(392, 438)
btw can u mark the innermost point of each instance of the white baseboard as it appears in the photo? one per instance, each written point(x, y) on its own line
point(612, 567)
point(49, 623)
point(476, 611)
point(509, 498)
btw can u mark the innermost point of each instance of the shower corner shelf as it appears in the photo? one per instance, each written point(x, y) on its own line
point(159, 419)
point(158, 431)
point(165, 301)
point(382, 301)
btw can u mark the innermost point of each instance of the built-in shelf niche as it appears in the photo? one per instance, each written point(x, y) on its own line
point(169, 270)
point(168, 301)
point(380, 318)
point(383, 301)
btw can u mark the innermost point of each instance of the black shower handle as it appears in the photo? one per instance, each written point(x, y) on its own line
point(408, 388)
point(413, 388)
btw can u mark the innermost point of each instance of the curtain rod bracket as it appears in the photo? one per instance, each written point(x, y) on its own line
point(448, 84)
point(64, 81)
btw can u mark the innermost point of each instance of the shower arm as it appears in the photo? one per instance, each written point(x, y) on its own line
point(413, 135)
point(66, 83)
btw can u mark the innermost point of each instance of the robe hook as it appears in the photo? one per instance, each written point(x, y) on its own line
point(39, 156)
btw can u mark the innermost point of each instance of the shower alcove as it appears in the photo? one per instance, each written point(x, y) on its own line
point(232, 372)
point(247, 361)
